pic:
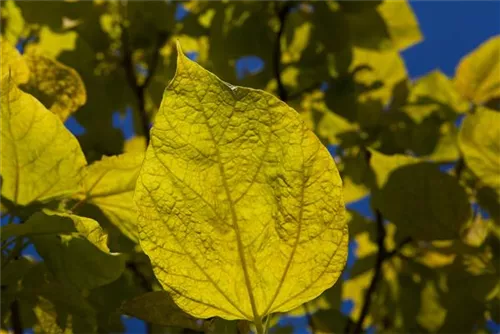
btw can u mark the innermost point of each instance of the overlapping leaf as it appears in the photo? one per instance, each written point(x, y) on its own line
point(110, 184)
point(478, 75)
point(41, 159)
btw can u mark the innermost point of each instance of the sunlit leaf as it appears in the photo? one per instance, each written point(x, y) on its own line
point(235, 198)
point(41, 159)
point(13, 64)
point(12, 21)
point(383, 165)
point(402, 24)
point(478, 75)
point(59, 87)
point(479, 141)
point(109, 184)
point(435, 93)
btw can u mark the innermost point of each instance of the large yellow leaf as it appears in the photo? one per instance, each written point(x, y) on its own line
point(110, 184)
point(479, 141)
point(478, 75)
point(240, 205)
point(59, 87)
point(41, 160)
point(13, 64)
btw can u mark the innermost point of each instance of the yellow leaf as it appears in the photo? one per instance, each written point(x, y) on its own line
point(110, 184)
point(41, 159)
point(13, 21)
point(434, 92)
point(53, 43)
point(479, 141)
point(58, 86)
point(402, 23)
point(383, 165)
point(478, 75)
point(13, 64)
point(240, 205)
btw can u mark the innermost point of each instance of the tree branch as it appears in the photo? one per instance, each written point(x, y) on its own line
point(15, 318)
point(381, 255)
point(131, 76)
point(282, 14)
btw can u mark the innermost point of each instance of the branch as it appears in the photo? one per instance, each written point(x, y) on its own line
point(130, 74)
point(398, 248)
point(15, 318)
point(282, 14)
point(381, 255)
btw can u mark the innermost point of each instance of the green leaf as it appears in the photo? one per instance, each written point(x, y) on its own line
point(109, 184)
point(383, 165)
point(478, 75)
point(59, 87)
point(41, 159)
point(479, 141)
point(82, 258)
point(435, 93)
point(424, 203)
point(236, 197)
point(37, 225)
point(159, 308)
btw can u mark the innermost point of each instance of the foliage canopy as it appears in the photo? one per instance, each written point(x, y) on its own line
point(224, 209)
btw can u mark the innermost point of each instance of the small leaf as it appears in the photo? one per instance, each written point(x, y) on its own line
point(383, 165)
point(159, 308)
point(424, 203)
point(37, 225)
point(435, 93)
point(110, 184)
point(477, 76)
point(479, 141)
point(240, 205)
point(41, 159)
point(59, 87)
point(81, 258)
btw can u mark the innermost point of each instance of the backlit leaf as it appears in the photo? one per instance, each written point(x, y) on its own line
point(13, 64)
point(41, 159)
point(478, 75)
point(240, 206)
point(59, 87)
point(479, 141)
point(383, 165)
point(110, 184)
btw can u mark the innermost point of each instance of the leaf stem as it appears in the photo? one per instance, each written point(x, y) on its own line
point(15, 317)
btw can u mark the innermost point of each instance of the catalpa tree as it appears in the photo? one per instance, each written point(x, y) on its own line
point(157, 176)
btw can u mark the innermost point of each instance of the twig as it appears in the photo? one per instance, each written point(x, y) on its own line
point(282, 14)
point(381, 255)
point(459, 168)
point(398, 248)
point(130, 73)
point(15, 317)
